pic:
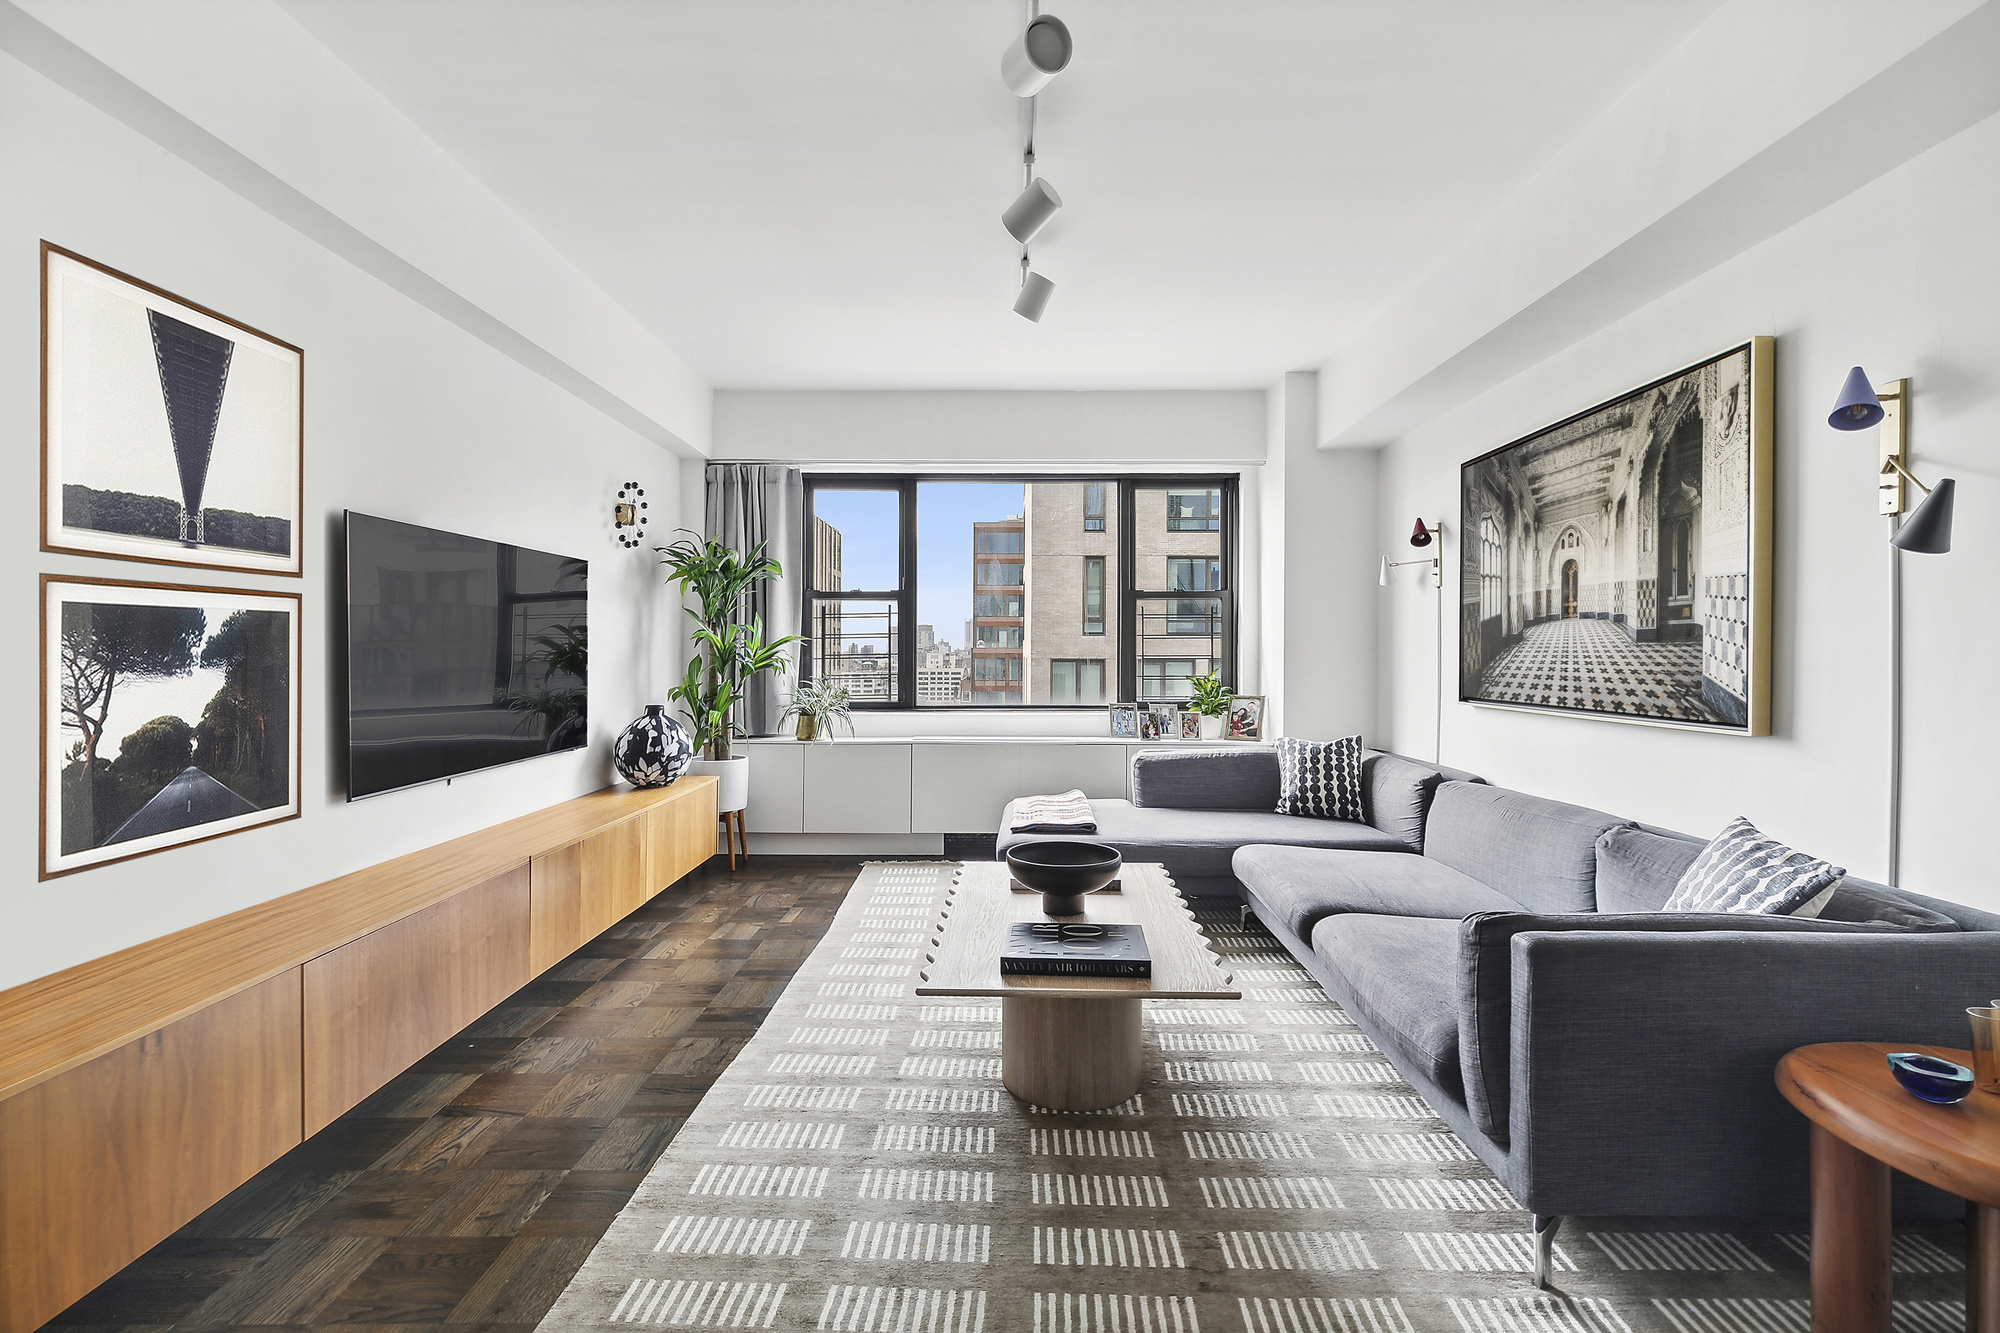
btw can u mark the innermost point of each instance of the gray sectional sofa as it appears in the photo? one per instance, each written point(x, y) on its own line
point(1191, 809)
point(1508, 955)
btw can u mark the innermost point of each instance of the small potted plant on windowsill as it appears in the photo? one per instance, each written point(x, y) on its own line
point(1209, 699)
point(728, 655)
point(820, 705)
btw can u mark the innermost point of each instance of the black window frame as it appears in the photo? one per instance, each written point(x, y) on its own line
point(1124, 488)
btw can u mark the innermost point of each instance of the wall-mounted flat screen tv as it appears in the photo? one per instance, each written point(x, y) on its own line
point(462, 654)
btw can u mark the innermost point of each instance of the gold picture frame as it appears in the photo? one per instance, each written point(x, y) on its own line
point(1617, 564)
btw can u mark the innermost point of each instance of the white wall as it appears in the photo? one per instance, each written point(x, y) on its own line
point(1900, 278)
point(998, 427)
point(1330, 541)
point(407, 415)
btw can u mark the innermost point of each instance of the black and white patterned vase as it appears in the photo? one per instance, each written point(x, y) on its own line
point(653, 751)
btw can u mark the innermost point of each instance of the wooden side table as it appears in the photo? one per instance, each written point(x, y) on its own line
point(1864, 1124)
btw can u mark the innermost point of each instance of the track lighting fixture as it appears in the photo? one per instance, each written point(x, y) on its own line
point(1035, 293)
point(1041, 52)
point(1031, 210)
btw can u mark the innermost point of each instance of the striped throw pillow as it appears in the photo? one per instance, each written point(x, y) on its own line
point(1321, 779)
point(1741, 870)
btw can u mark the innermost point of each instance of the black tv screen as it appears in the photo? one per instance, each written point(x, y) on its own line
point(462, 654)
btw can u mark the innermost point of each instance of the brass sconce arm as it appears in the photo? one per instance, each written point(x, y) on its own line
point(1891, 465)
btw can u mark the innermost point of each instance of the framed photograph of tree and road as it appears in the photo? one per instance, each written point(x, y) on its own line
point(170, 715)
point(170, 433)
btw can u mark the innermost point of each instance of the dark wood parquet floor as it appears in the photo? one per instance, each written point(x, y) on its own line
point(470, 1189)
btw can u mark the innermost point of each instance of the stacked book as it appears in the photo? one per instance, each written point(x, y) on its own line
point(1053, 949)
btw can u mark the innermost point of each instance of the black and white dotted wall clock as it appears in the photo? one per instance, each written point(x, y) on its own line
point(628, 515)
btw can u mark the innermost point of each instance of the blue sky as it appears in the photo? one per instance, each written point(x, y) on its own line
point(946, 512)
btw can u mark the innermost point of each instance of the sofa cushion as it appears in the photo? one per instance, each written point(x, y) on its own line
point(1232, 779)
point(1397, 972)
point(1485, 1002)
point(1302, 886)
point(1198, 844)
point(1637, 868)
point(1859, 900)
point(1396, 793)
point(1321, 779)
point(1538, 852)
point(1743, 871)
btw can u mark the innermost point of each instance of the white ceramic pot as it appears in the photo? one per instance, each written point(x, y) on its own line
point(734, 791)
point(1212, 728)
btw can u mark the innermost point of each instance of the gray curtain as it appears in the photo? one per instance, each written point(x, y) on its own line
point(763, 502)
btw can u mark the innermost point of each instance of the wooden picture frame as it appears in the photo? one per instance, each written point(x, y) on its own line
point(1617, 564)
point(171, 433)
point(1246, 718)
point(97, 807)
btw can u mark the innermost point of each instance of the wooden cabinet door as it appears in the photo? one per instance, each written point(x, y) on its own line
point(614, 873)
point(99, 1164)
point(375, 1007)
point(680, 835)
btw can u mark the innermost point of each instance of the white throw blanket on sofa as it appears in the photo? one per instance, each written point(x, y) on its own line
point(1067, 812)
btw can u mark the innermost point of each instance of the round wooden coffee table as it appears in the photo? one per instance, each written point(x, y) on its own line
point(1863, 1125)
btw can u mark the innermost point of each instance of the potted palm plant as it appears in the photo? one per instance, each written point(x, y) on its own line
point(1209, 700)
point(820, 705)
point(728, 655)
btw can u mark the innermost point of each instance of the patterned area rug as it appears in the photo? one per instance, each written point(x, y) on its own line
point(860, 1168)
point(1591, 664)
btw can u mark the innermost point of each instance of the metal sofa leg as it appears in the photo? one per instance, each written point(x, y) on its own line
point(1242, 915)
point(1545, 1238)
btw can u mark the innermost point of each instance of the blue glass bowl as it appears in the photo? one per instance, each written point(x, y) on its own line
point(1930, 1078)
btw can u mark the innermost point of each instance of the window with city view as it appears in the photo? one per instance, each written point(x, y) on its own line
point(1033, 592)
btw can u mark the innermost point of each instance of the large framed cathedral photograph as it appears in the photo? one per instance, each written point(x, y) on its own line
point(170, 433)
point(1617, 564)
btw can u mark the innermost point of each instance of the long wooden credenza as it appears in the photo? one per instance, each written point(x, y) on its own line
point(139, 1088)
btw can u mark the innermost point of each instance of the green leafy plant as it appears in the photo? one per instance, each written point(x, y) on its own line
point(824, 700)
point(1208, 696)
point(728, 654)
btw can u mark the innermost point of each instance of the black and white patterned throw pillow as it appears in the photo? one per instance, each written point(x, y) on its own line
point(1741, 870)
point(1320, 778)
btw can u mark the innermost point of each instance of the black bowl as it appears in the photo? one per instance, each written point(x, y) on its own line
point(1062, 872)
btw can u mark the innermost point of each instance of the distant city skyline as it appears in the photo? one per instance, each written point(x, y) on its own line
point(946, 511)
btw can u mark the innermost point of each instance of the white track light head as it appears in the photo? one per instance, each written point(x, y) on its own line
point(1034, 298)
point(1031, 210)
point(1041, 52)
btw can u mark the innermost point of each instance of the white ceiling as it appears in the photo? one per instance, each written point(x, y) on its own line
point(807, 195)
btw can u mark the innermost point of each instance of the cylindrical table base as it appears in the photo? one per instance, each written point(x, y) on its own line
point(1069, 1055)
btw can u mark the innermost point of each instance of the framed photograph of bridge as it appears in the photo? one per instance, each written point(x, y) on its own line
point(170, 715)
point(170, 433)
point(1617, 564)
